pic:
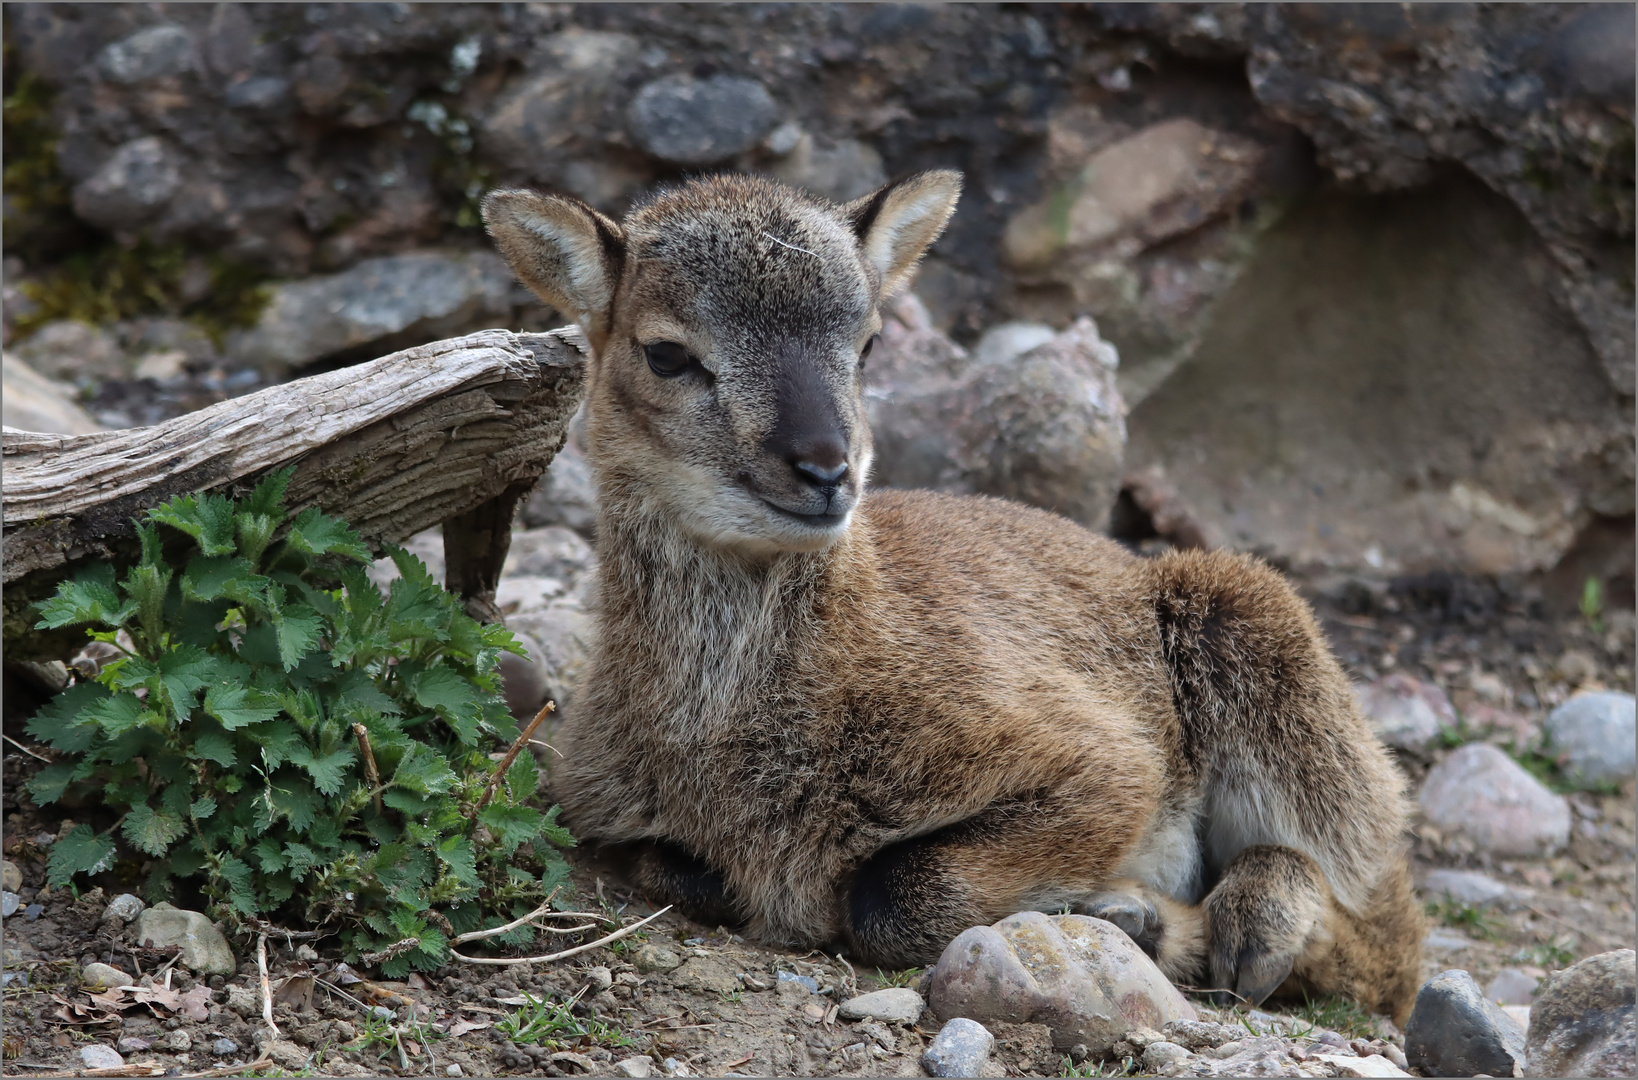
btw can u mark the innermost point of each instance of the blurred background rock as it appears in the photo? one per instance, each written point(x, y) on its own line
point(1368, 269)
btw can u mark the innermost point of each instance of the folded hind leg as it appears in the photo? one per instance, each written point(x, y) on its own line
point(1259, 918)
point(1272, 924)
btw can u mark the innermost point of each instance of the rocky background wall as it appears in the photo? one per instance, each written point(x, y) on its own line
point(1367, 269)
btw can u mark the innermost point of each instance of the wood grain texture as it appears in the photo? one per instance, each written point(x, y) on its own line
point(395, 446)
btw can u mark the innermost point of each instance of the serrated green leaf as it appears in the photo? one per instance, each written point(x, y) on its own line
point(80, 852)
point(255, 533)
point(453, 698)
point(316, 533)
point(215, 746)
point(240, 706)
point(277, 740)
point(89, 597)
point(330, 771)
point(153, 549)
point(62, 723)
point(211, 577)
point(270, 853)
point(552, 831)
point(207, 518)
point(150, 830)
point(523, 778)
point(268, 495)
point(294, 798)
point(147, 586)
point(298, 629)
point(456, 853)
point(511, 825)
point(202, 808)
point(49, 783)
point(423, 770)
point(120, 713)
point(239, 878)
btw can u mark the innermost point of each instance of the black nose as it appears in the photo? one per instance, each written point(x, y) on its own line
point(822, 475)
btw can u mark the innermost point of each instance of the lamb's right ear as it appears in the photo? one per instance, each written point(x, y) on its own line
point(566, 252)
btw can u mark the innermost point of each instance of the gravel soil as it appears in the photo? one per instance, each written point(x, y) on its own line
point(717, 1005)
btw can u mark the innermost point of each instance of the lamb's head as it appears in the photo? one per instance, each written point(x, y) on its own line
point(729, 319)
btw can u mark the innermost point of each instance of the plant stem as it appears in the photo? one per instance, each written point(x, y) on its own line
point(370, 774)
point(506, 762)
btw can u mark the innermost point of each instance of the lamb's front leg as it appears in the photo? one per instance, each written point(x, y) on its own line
point(668, 873)
point(907, 901)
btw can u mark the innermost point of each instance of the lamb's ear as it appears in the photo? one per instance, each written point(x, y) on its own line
point(566, 252)
point(898, 223)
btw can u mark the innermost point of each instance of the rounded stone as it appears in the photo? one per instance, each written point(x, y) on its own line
point(204, 949)
point(100, 1056)
point(132, 187)
point(653, 959)
point(689, 121)
point(124, 907)
point(11, 878)
point(1485, 794)
point(961, 1048)
point(1406, 713)
point(895, 1004)
point(1595, 735)
point(105, 975)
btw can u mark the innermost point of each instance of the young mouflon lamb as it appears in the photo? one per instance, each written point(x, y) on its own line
point(876, 719)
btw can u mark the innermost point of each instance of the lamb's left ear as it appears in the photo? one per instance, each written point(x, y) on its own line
point(898, 223)
point(565, 251)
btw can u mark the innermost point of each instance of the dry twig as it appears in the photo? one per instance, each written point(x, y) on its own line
point(371, 776)
point(233, 1070)
point(267, 987)
point(503, 961)
point(511, 755)
point(47, 760)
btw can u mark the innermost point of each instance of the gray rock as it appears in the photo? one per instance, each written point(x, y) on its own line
point(1454, 1031)
point(204, 949)
point(1082, 977)
point(524, 679)
point(150, 53)
point(840, 171)
point(11, 878)
point(1197, 1035)
point(562, 631)
point(1006, 341)
point(634, 1066)
point(1582, 1023)
point(961, 1048)
point(179, 1042)
point(565, 496)
point(259, 92)
point(70, 350)
point(124, 907)
point(1441, 940)
point(1485, 794)
point(134, 1044)
point(1263, 1055)
point(1512, 987)
point(1158, 1055)
point(224, 1047)
point(426, 293)
point(100, 1056)
point(1468, 887)
point(1046, 428)
point(553, 551)
point(1406, 712)
point(244, 1001)
point(9, 903)
point(653, 959)
point(689, 121)
point(705, 976)
point(454, 1069)
point(132, 187)
point(31, 402)
point(105, 975)
point(1594, 735)
point(33, 911)
point(896, 1004)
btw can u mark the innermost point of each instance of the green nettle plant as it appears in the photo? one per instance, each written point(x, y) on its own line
point(304, 748)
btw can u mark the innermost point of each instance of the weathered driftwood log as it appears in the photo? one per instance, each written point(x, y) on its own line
point(453, 433)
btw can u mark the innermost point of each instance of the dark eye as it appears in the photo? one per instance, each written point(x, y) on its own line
point(667, 359)
point(871, 344)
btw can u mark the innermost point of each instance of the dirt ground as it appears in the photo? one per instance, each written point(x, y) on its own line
point(733, 1008)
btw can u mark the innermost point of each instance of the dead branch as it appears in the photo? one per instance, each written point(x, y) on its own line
point(504, 961)
point(511, 755)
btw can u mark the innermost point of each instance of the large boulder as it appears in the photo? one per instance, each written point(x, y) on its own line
point(1082, 977)
point(1582, 1022)
point(427, 294)
point(1486, 795)
point(1045, 428)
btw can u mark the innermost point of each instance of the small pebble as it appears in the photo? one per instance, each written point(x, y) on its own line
point(33, 911)
point(224, 1047)
point(961, 1048)
point(600, 979)
point(651, 958)
point(179, 1041)
point(100, 1056)
point(808, 981)
point(895, 1004)
point(124, 908)
point(634, 1066)
point(381, 1012)
point(105, 975)
point(132, 1044)
point(1158, 1055)
point(453, 1070)
point(9, 903)
point(11, 878)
